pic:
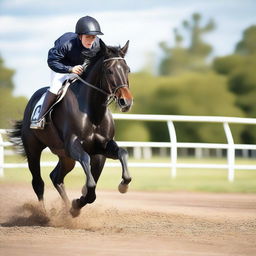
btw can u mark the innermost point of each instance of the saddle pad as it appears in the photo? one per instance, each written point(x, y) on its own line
point(38, 106)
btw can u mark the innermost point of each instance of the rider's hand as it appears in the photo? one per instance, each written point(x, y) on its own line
point(77, 70)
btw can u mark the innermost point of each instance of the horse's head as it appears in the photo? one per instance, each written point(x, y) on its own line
point(115, 75)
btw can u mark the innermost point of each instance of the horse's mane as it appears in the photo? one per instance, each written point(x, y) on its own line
point(115, 50)
point(112, 51)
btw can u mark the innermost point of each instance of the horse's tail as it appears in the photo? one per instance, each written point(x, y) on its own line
point(15, 137)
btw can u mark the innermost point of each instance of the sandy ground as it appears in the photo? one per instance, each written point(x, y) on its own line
point(136, 223)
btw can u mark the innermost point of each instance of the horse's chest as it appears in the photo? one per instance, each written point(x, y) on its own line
point(95, 135)
point(94, 141)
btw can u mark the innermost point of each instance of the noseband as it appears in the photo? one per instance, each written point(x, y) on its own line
point(111, 95)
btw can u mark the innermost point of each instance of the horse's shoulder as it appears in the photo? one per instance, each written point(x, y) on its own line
point(108, 118)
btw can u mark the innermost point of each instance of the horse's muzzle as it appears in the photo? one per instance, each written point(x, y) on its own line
point(124, 99)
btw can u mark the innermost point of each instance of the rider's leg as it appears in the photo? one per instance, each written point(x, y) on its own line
point(49, 99)
point(57, 80)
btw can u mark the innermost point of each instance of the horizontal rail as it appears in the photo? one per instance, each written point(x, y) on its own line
point(179, 118)
point(142, 165)
point(169, 144)
point(184, 145)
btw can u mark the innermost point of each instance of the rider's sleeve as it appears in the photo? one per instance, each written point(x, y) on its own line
point(56, 55)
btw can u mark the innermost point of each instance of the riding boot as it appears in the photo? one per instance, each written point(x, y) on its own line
point(48, 101)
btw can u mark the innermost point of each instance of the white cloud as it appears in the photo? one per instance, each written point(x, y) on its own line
point(16, 3)
point(32, 24)
point(32, 4)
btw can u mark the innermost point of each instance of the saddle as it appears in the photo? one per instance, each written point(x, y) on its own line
point(60, 96)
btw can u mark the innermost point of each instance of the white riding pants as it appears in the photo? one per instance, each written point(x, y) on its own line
point(57, 80)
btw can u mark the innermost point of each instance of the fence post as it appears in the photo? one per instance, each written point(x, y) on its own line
point(1, 156)
point(230, 152)
point(173, 138)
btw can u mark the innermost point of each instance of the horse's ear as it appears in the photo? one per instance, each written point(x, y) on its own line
point(103, 47)
point(125, 49)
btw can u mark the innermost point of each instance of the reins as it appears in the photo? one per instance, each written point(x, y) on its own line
point(91, 85)
point(111, 96)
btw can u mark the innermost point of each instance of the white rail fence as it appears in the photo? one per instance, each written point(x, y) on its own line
point(230, 146)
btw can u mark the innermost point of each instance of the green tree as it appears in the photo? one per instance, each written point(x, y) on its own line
point(175, 59)
point(198, 47)
point(11, 108)
point(240, 70)
point(178, 59)
point(186, 94)
point(247, 45)
point(6, 75)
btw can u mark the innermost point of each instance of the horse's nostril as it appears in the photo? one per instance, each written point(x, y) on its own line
point(122, 102)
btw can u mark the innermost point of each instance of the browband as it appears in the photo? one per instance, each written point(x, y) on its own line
point(114, 58)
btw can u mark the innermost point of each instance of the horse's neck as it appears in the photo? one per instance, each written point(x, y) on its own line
point(96, 105)
point(91, 101)
point(96, 100)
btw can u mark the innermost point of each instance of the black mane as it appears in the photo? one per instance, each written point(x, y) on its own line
point(115, 50)
point(108, 52)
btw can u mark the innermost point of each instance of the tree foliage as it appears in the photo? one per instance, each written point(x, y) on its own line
point(198, 48)
point(247, 45)
point(240, 70)
point(178, 59)
point(11, 108)
point(186, 94)
point(6, 75)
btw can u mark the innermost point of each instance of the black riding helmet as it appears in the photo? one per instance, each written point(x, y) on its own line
point(89, 26)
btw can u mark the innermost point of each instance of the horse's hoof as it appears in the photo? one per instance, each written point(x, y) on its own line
point(84, 190)
point(42, 207)
point(74, 210)
point(123, 188)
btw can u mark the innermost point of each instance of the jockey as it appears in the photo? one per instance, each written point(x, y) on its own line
point(65, 59)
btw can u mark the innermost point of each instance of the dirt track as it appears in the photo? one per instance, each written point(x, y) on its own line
point(132, 224)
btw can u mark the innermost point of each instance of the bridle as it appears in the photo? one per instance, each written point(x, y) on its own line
point(117, 87)
point(112, 94)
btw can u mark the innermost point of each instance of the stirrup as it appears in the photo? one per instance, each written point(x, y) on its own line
point(38, 125)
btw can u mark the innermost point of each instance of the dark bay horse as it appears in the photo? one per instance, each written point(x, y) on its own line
point(80, 127)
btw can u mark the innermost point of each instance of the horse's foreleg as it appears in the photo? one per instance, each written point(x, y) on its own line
point(115, 152)
point(77, 152)
point(88, 196)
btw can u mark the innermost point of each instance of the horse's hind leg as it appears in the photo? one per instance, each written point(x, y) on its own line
point(64, 166)
point(33, 149)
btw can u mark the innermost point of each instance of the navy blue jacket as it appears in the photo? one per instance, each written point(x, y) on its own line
point(68, 52)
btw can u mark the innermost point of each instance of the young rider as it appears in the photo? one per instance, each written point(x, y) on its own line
point(65, 59)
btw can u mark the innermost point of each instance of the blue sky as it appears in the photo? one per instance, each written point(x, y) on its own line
point(28, 28)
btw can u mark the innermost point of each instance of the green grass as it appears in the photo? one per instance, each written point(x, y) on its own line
point(150, 179)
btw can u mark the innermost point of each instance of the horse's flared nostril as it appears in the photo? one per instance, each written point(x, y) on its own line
point(122, 102)
point(125, 104)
